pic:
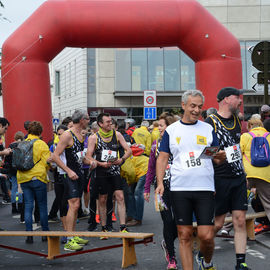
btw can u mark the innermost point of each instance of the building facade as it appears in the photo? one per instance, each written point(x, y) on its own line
point(113, 80)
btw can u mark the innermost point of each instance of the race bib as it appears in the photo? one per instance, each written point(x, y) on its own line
point(190, 160)
point(81, 155)
point(233, 153)
point(108, 155)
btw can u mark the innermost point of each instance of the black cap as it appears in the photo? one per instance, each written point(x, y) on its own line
point(228, 91)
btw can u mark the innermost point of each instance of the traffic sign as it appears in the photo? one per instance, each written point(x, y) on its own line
point(55, 121)
point(150, 113)
point(150, 98)
point(260, 56)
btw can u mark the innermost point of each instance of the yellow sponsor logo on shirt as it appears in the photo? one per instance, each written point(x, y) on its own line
point(201, 140)
point(178, 139)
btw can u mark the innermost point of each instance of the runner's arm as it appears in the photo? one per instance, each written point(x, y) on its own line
point(127, 149)
point(65, 141)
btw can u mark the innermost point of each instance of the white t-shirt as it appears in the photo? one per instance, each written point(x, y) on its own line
point(186, 142)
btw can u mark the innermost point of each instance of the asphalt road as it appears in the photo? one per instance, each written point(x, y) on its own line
point(148, 257)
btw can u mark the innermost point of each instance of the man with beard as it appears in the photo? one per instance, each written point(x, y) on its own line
point(230, 179)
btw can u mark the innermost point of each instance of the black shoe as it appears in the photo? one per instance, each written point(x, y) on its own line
point(92, 227)
point(6, 201)
point(29, 240)
point(1, 229)
point(44, 238)
point(243, 266)
point(109, 228)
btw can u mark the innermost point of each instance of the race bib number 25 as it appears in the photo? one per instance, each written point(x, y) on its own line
point(233, 153)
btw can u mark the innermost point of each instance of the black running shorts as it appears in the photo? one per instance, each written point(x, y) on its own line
point(73, 188)
point(231, 194)
point(109, 184)
point(201, 203)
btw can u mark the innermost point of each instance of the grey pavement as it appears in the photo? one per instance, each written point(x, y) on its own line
point(148, 257)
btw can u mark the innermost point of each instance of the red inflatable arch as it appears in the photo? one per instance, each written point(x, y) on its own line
point(57, 24)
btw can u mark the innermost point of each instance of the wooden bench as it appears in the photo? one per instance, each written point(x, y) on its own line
point(250, 219)
point(128, 242)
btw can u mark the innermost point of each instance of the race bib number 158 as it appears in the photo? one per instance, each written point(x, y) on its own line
point(190, 160)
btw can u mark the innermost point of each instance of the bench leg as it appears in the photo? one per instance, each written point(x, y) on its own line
point(53, 246)
point(129, 255)
point(250, 229)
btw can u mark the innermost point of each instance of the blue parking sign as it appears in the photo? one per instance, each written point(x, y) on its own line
point(150, 113)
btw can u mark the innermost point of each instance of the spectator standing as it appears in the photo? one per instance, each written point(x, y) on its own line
point(142, 136)
point(34, 181)
point(12, 172)
point(130, 126)
point(258, 177)
point(265, 112)
point(155, 133)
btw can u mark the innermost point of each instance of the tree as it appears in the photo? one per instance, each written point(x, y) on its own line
point(1, 15)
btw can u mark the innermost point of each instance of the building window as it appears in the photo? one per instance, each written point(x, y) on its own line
point(123, 69)
point(187, 72)
point(57, 83)
point(139, 69)
point(155, 69)
point(172, 69)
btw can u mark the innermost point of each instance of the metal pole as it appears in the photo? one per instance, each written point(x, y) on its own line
point(266, 70)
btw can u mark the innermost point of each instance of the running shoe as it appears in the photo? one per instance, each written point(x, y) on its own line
point(172, 264)
point(103, 237)
point(6, 201)
point(125, 230)
point(266, 228)
point(114, 217)
point(71, 245)
point(198, 259)
point(243, 266)
point(92, 227)
point(224, 232)
point(165, 250)
point(258, 228)
point(110, 228)
point(202, 267)
point(80, 241)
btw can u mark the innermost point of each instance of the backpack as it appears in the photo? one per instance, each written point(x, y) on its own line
point(259, 151)
point(22, 156)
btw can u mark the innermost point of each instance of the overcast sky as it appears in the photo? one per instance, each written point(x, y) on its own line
point(16, 11)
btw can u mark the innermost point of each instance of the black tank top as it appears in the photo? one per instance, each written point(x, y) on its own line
point(101, 145)
point(71, 155)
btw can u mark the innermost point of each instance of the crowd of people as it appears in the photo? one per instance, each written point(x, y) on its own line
point(202, 166)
